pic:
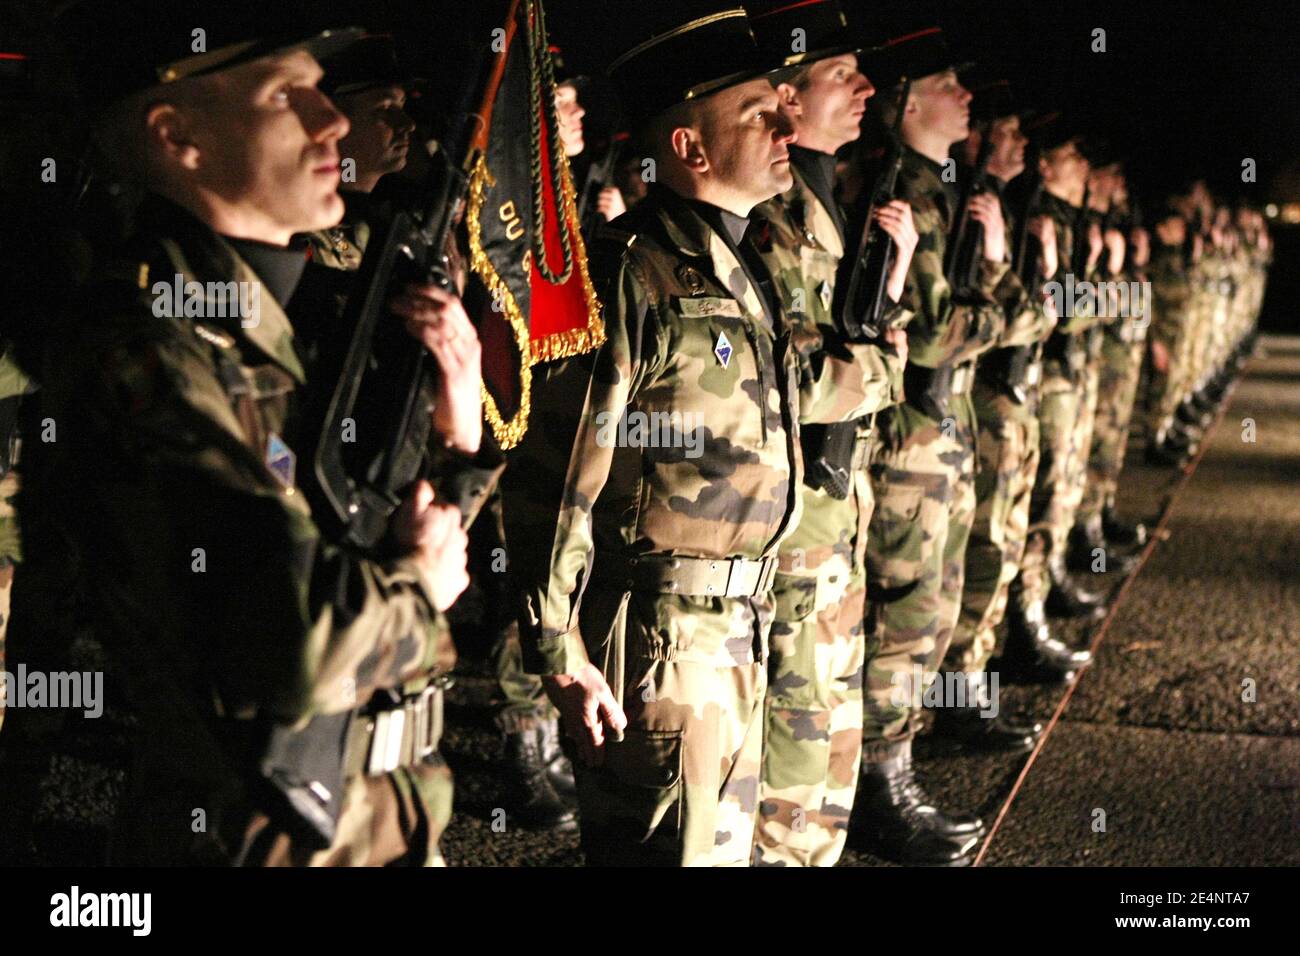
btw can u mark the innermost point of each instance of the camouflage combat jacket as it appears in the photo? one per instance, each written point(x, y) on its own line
point(1028, 322)
point(14, 384)
point(1084, 316)
point(945, 330)
point(802, 245)
point(686, 444)
point(173, 465)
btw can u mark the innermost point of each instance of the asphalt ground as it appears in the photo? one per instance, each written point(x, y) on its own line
point(1156, 735)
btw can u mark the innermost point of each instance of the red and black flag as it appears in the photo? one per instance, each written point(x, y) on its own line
point(536, 302)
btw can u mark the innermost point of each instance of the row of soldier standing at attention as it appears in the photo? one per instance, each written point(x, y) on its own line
point(908, 380)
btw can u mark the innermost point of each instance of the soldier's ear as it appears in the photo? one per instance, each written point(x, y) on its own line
point(789, 96)
point(688, 149)
point(169, 131)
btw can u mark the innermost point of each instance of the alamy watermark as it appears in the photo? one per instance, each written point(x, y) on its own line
point(682, 430)
point(77, 690)
point(921, 688)
point(1111, 300)
point(75, 909)
point(208, 300)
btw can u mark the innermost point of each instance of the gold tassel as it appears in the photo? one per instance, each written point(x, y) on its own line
point(508, 433)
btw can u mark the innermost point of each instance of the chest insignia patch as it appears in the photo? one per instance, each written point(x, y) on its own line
point(280, 460)
point(723, 349)
point(824, 292)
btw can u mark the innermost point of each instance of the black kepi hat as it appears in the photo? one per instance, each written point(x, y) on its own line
point(686, 62)
point(371, 61)
point(794, 32)
point(914, 56)
point(128, 46)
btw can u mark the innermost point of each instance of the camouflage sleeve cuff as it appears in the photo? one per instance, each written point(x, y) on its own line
point(895, 364)
point(991, 274)
point(555, 654)
point(896, 314)
point(408, 570)
point(466, 481)
point(1010, 293)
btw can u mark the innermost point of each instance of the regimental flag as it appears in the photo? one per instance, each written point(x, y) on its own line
point(521, 207)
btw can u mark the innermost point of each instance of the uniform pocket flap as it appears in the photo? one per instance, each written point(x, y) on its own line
point(796, 596)
point(646, 758)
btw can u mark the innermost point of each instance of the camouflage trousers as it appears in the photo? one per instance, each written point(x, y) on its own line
point(1121, 368)
point(681, 788)
point(6, 589)
point(923, 478)
point(1166, 389)
point(525, 703)
point(1004, 484)
point(1062, 458)
point(813, 739)
point(395, 819)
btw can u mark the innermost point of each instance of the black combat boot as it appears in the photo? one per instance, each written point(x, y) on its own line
point(893, 817)
point(974, 724)
point(529, 795)
point(1067, 599)
point(1085, 539)
point(1033, 650)
point(1172, 447)
point(1131, 536)
point(1196, 413)
point(558, 768)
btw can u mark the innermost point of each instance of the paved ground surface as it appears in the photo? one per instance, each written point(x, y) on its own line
point(1157, 734)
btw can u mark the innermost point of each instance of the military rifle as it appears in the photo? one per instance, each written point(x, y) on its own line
point(860, 294)
point(372, 444)
point(374, 434)
point(1027, 255)
point(967, 246)
point(858, 308)
point(599, 175)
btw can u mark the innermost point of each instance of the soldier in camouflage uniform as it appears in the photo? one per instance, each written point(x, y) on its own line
point(648, 598)
point(14, 384)
point(1097, 527)
point(1005, 396)
point(923, 471)
point(230, 615)
point(1063, 397)
point(368, 85)
point(1170, 338)
point(813, 740)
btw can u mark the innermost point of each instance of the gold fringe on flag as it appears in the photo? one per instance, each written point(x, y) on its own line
point(557, 345)
point(508, 433)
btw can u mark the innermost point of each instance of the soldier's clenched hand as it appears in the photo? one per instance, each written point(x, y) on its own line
point(588, 708)
point(1160, 356)
point(987, 211)
point(1095, 244)
point(895, 217)
point(432, 535)
point(610, 203)
point(437, 318)
point(1043, 229)
point(1141, 247)
point(1115, 246)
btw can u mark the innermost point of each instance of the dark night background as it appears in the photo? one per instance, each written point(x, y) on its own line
point(1184, 89)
